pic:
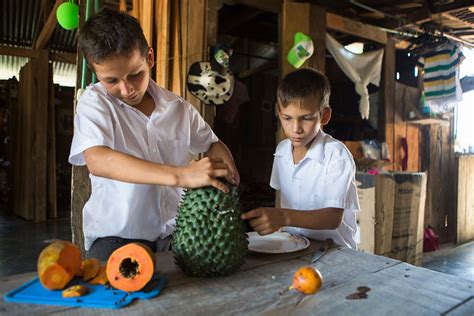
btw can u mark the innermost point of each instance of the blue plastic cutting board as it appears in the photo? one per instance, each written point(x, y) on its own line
point(99, 296)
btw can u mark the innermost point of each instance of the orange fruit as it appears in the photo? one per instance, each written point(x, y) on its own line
point(307, 280)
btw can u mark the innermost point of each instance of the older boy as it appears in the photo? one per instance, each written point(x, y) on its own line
point(135, 139)
point(314, 172)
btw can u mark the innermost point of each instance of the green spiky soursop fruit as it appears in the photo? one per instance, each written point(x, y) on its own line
point(210, 237)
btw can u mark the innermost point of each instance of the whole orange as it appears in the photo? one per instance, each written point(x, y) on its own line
point(307, 280)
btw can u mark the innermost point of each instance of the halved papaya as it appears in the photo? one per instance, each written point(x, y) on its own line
point(58, 263)
point(131, 267)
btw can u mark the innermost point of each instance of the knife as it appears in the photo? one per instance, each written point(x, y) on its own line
point(323, 249)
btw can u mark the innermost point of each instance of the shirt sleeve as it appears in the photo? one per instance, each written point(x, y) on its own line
point(201, 134)
point(93, 126)
point(275, 177)
point(340, 189)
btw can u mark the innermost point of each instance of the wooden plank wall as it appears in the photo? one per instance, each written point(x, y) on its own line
point(439, 161)
point(34, 190)
point(465, 199)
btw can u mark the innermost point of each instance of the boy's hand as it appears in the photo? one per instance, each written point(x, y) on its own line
point(265, 220)
point(205, 172)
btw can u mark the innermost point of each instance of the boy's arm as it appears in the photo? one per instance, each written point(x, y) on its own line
point(220, 150)
point(266, 220)
point(108, 163)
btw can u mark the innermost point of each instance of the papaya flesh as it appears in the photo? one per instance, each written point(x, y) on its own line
point(101, 277)
point(90, 267)
point(58, 263)
point(131, 267)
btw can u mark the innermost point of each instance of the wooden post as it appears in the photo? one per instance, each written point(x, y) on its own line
point(465, 200)
point(162, 25)
point(318, 34)
point(387, 113)
point(80, 183)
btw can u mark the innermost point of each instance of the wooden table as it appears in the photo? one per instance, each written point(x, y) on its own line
point(397, 288)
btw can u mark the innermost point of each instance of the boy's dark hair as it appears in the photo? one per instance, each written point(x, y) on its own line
point(110, 33)
point(303, 85)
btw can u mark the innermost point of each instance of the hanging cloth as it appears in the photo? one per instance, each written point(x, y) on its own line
point(441, 77)
point(362, 69)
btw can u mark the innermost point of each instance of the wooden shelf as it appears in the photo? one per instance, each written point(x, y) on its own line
point(429, 121)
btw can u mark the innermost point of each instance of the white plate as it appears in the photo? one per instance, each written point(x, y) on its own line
point(278, 242)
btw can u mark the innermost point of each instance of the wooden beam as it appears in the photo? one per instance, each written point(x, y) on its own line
point(345, 25)
point(274, 6)
point(453, 6)
point(48, 27)
point(317, 31)
point(70, 58)
point(387, 110)
point(18, 51)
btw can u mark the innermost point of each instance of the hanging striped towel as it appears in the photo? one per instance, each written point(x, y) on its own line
point(440, 72)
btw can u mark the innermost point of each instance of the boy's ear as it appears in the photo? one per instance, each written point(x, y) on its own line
point(326, 115)
point(151, 57)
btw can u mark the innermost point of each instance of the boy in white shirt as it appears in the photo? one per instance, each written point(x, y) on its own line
point(314, 172)
point(135, 139)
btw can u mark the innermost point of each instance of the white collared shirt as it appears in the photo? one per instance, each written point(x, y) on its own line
point(174, 129)
point(325, 177)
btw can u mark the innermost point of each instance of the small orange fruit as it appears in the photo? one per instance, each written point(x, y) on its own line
point(307, 280)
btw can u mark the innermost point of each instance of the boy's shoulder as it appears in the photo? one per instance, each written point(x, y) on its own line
point(334, 147)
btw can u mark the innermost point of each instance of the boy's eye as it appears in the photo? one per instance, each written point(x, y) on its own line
point(136, 75)
point(111, 81)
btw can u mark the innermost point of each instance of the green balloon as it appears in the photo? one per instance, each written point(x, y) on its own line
point(67, 15)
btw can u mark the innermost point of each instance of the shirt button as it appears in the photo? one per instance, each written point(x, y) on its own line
point(154, 150)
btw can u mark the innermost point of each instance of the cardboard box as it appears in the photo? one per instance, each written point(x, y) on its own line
point(392, 213)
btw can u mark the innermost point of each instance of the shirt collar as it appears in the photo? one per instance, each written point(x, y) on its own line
point(315, 151)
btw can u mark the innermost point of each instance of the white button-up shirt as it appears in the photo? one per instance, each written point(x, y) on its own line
point(325, 177)
point(174, 129)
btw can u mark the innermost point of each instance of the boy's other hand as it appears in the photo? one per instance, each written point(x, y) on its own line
point(205, 172)
point(265, 220)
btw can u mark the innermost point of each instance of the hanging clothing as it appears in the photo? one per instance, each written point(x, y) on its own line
point(441, 77)
point(362, 69)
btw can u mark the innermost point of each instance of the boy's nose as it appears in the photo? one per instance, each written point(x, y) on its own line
point(125, 88)
point(296, 127)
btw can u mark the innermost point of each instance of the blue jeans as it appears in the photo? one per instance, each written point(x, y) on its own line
point(102, 248)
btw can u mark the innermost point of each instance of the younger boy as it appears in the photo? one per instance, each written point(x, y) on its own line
point(135, 139)
point(314, 172)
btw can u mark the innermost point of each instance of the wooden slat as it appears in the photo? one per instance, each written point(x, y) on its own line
point(80, 182)
point(384, 205)
point(51, 205)
point(465, 199)
point(274, 6)
point(48, 27)
point(346, 25)
point(211, 22)
point(183, 10)
point(413, 138)
point(63, 57)
point(196, 17)
point(40, 110)
point(318, 34)
point(147, 19)
point(17, 51)
point(162, 25)
point(387, 113)
point(176, 73)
